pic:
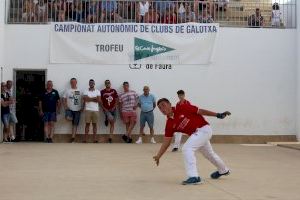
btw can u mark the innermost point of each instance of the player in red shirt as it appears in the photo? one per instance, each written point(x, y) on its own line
point(189, 119)
point(109, 99)
point(178, 135)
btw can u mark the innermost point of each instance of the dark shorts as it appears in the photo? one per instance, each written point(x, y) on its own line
point(49, 117)
point(73, 116)
point(147, 117)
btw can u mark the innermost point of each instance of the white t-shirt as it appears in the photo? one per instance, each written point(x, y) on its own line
point(144, 8)
point(73, 97)
point(92, 106)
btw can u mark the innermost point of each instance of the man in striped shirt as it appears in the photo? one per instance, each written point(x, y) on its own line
point(128, 103)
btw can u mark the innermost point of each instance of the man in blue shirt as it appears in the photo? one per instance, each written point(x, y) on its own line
point(147, 103)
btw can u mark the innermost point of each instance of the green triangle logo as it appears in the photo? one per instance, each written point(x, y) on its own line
point(145, 49)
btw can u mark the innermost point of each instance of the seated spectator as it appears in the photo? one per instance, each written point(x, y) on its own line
point(169, 17)
point(70, 12)
point(142, 10)
point(92, 12)
point(256, 20)
point(151, 16)
point(164, 6)
point(60, 7)
point(205, 17)
point(42, 11)
point(109, 11)
point(276, 16)
point(78, 8)
point(221, 5)
point(28, 11)
point(186, 13)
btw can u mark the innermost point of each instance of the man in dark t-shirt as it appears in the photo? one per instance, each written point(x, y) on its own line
point(49, 106)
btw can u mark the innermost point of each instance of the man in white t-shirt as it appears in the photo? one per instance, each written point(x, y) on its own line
point(91, 98)
point(73, 106)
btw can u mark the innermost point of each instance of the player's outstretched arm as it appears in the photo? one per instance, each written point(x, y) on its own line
point(166, 143)
point(213, 114)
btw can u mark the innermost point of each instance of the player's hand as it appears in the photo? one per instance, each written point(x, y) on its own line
point(223, 115)
point(156, 159)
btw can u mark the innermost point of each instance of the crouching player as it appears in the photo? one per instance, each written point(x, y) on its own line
point(189, 120)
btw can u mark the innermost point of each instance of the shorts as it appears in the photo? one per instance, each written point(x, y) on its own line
point(5, 119)
point(91, 116)
point(147, 117)
point(12, 118)
point(111, 115)
point(49, 117)
point(129, 117)
point(73, 116)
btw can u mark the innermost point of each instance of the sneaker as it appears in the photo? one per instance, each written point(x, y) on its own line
point(192, 181)
point(96, 141)
point(125, 138)
point(47, 140)
point(50, 140)
point(152, 140)
point(217, 175)
point(139, 141)
point(109, 140)
point(129, 140)
point(174, 149)
point(72, 140)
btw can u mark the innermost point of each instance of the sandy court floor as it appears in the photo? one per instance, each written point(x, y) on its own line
point(38, 171)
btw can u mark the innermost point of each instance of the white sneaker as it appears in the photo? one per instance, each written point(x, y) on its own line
point(152, 140)
point(139, 141)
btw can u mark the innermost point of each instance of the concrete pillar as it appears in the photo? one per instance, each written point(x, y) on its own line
point(298, 70)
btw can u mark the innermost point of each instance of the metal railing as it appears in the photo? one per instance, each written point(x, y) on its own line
point(232, 13)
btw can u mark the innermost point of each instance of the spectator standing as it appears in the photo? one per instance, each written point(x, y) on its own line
point(147, 103)
point(91, 99)
point(49, 107)
point(128, 103)
point(72, 101)
point(109, 99)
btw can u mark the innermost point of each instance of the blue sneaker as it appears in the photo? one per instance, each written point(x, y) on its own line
point(217, 175)
point(192, 181)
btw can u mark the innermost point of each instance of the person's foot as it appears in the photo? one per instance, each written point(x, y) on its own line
point(152, 140)
point(129, 140)
point(174, 149)
point(139, 141)
point(84, 141)
point(192, 181)
point(47, 140)
point(125, 138)
point(109, 140)
point(217, 175)
point(95, 141)
point(72, 140)
point(50, 140)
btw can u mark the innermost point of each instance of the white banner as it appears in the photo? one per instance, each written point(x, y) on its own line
point(132, 43)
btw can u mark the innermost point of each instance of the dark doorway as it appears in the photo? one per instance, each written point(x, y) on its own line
point(29, 86)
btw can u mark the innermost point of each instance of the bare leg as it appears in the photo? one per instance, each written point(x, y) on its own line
point(87, 129)
point(94, 131)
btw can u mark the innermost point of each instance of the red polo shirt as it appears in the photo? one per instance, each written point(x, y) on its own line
point(185, 120)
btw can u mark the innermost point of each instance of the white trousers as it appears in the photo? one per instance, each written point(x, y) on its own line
point(177, 140)
point(200, 140)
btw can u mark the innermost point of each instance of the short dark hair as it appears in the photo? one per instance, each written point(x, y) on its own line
point(163, 100)
point(73, 79)
point(106, 81)
point(91, 80)
point(275, 6)
point(125, 83)
point(180, 92)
